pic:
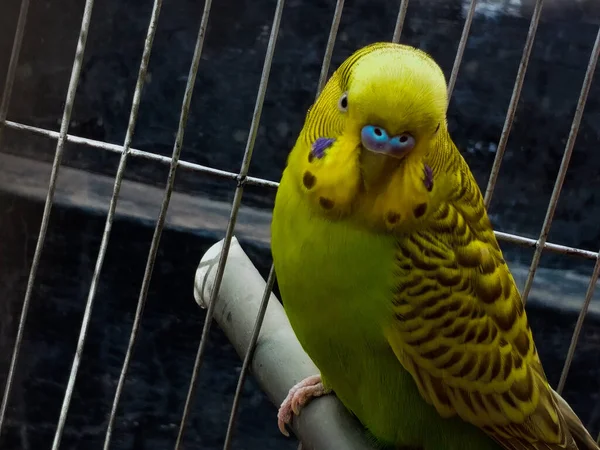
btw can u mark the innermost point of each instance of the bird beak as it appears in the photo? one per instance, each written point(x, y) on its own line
point(376, 167)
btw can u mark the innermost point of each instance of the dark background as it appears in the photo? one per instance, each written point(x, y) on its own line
point(215, 136)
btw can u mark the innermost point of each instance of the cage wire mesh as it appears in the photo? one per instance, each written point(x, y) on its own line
point(242, 179)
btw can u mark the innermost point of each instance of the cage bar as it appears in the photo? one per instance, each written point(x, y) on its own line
point(260, 316)
point(335, 25)
point(564, 165)
point(12, 70)
point(112, 208)
point(237, 199)
point(4, 104)
point(514, 101)
point(555, 248)
point(256, 181)
point(166, 160)
point(279, 360)
point(578, 326)
point(461, 48)
point(76, 71)
point(60, 145)
point(400, 21)
point(271, 279)
point(160, 223)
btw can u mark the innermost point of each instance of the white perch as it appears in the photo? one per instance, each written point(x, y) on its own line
point(279, 361)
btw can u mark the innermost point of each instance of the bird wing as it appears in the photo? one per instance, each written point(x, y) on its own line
point(460, 329)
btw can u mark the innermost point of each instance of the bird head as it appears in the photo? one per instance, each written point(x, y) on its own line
point(367, 136)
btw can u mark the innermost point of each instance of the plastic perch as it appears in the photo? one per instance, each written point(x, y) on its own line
point(279, 361)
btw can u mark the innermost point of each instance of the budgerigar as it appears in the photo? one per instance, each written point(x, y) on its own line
point(392, 278)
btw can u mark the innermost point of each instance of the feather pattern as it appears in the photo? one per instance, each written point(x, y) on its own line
point(460, 328)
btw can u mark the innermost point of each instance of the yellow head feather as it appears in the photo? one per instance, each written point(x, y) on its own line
point(400, 90)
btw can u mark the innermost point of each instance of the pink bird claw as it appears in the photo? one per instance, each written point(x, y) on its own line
point(298, 396)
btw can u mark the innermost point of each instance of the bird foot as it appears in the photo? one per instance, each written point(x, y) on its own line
point(298, 396)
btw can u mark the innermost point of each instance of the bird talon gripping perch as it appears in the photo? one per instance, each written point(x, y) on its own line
point(298, 396)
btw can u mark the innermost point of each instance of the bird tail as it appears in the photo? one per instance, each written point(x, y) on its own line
point(580, 434)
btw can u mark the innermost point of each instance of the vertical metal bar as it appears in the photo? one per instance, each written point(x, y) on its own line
point(248, 357)
point(108, 226)
point(10, 77)
point(160, 223)
point(6, 95)
point(4, 104)
point(60, 145)
point(237, 199)
point(85, 26)
point(514, 101)
point(169, 186)
point(187, 98)
point(400, 21)
point(113, 204)
point(564, 165)
point(461, 48)
point(578, 326)
point(271, 278)
point(335, 24)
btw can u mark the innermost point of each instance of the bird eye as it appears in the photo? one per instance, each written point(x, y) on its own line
point(343, 102)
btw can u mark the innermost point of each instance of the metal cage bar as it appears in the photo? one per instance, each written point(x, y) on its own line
point(248, 357)
point(160, 223)
point(335, 25)
point(587, 82)
point(237, 199)
point(60, 145)
point(400, 21)
point(578, 326)
point(112, 209)
point(462, 44)
point(564, 165)
point(337, 15)
point(106, 233)
point(6, 96)
point(255, 181)
point(166, 160)
point(11, 74)
point(514, 101)
point(77, 63)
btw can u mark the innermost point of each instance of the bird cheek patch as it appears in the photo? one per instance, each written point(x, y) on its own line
point(319, 147)
point(405, 201)
point(428, 177)
point(308, 180)
point(392, 218)
point(330, 176)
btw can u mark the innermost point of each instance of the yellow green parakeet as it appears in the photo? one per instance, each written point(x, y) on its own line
point(391, 275)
